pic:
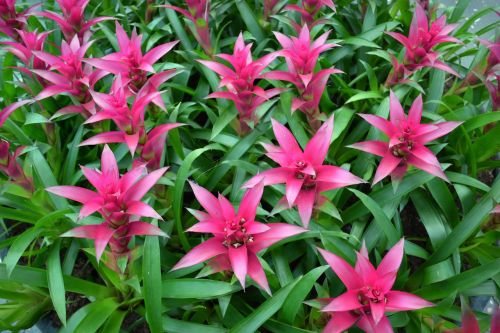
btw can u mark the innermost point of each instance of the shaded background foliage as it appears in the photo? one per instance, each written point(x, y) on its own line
point(451, 256)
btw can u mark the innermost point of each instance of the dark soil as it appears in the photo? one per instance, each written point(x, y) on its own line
point(414, 230)
point(130, 323)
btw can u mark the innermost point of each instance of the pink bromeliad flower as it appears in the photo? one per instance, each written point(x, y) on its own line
point(270, 8)
point(309, 10)
point(470, 324)
point(422, 39)
point(117, 198)
point(24, 48)
point(237, 236)
point(11, 167)
point(128, 119)
point(491, 72)
point(240, 81)
point(301, 55)
point(129, 62)
point(72, 21)
point(407, 137)
point(399, 73)
point(198, 12)
point(303, 172)
point(369, 292)
point(12, 21)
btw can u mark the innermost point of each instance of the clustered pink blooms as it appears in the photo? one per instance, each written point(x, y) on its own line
point(24, 48)
point(422, 39)
point(301, 56)
point(303, 172)
point(470, 324)
point(72, 21)
point(308, 11)
point(491, 72)
point(238, 237)
point(198, 12)
point(11, 21)
point(407, 137)
point(117, 200)
point(240, 81)
point(129, 62)
point(369, 292)
point(11, 167)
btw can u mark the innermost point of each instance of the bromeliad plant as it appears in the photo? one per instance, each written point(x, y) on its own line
point(109, 109)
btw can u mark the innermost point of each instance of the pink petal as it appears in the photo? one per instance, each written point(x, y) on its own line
point(334, 174)
point(226, 208)
point(344, 271)
point(8, 110)
point(75, 193)
point(317, 148)
point(427, 167)
point(139, 228)
point(277, 232)
point(139, 208)
point(495, 321)
point(293, 188)
point(305, 203)
point(202, 252)
point(377, 311)
point(400, 38)
point(382, 124)
point(141, 187)
point(403, 301)
point(340, 322)
point(208, 226)
point(419, 23)
point(100, 233)
point(51, 91)
point(109, 168)
point(415, 113)
point(392, 259)
point(107, 137)
point(156, 53)
point(442, 66)
point(250, 202)
point(207, 200)
point(285, 138)
point(367, 323)
point(220, 69)
point(365, 269)
point(345, 302)
point(387, 165)
point(256, 272)
point(397, 113)
point(269, 177)
point(256, 227)
point(110, 66)
point(443, 129)
point(91, 206)
point(378, 148)
point(239, 262)
point(131, 140)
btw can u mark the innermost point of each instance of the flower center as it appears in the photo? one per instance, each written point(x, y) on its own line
point(236, 234)
point(369, 295)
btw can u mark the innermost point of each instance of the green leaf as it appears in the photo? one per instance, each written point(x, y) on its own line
point(359, 42)
point(380, 218)
point(294, 300)
point(248, 16)
point(100, 311)
point(197, 288)
point(114, 322)
point(56, 281)
point(18, 247)
point(364, 95)
point(461, 282)
point(265, 311)
point(151, 268)
point(172, 325)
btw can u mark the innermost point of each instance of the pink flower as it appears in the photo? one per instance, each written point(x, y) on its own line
point(301, 56)
point(129, 62)
point(369, 292)
point(198, 13)
point(309, 9)
point(72, 21)
point(129, 120)
point(11, 21)
point(303, 172)
point(398, 74)
point(240, 80)
point(68, 74)
point(11, 167)
point(237, 236)
point(422, 40)
point(491, 71)
point(23, 50)
point(270, 8)
point(470, 324)
point(407, 137)
point(117, 198)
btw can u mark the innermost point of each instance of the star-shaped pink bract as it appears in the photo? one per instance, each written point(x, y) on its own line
point(422, 39)
point(11, 167)
point(12, 21)
point(240, 81)
point(369, 292)
point(303, 172)
point(309, 10)
point(237, 236)
point(407, 137)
